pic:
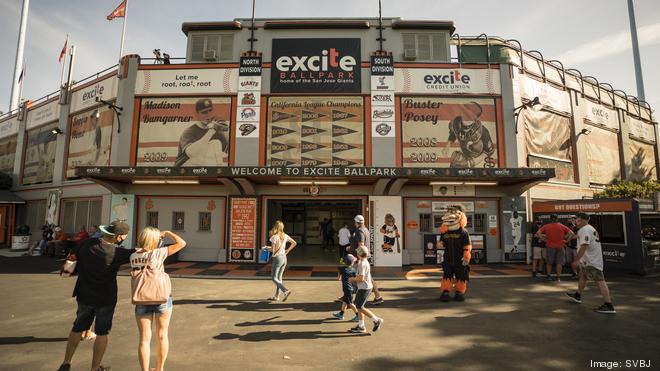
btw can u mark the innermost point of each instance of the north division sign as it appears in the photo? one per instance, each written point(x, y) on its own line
point(315, 66)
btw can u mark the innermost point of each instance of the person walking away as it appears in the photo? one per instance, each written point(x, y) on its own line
point(571, 249)
point(538, 249)
point(152, 252)
point(346, 272)
point(98, 261)
point(590, 262)
point(556, 237)
point(330, 235)
point(364, 285)
point(279, 250)
point(343, 237)
point(361, 237)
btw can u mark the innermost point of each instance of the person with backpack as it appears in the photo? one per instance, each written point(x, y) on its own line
point(151, 254)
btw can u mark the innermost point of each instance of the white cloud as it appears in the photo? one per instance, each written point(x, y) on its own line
point(609, 45)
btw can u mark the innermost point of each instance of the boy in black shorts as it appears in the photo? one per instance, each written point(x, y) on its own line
point(346, 271)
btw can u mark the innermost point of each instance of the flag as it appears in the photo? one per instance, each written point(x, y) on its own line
point(63, 52)
point(119, 12)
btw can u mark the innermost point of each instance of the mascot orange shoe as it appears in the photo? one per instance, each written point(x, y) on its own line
point(456, 258)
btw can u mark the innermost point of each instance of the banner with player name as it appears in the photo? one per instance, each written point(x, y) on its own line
point(449, 132)
point(315, 131)
point(249, 98)
point(184, 131)
point(90, 139)
point(39, 155)
point(382, 94)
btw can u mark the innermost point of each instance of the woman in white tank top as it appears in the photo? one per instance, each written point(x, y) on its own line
point(278, 240)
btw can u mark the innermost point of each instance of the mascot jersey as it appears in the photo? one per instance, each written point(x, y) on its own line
point(455, 242)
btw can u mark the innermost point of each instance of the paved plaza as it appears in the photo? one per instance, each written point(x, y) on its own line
point(508, 323)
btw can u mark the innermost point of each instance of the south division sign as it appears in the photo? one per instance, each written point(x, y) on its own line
point(315, 66)
point(336, 171)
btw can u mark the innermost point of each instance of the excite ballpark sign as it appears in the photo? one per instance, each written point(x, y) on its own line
point(315, 66)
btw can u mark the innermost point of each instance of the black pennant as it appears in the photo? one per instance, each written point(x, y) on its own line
point(309, 146)
point(281, 162)
point(310, 130)
point(279, 116)
point(309, 116)
point(280, 147)
point(340, 130)
point(339, 146)
point(304, 161)
point(336, 161)
point(277, 131)
point(339, 115)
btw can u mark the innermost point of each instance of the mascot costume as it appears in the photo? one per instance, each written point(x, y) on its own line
point(458, 251)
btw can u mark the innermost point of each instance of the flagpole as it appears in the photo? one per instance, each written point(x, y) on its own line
point(13, 100)
point(64, 62)
point(123, 31)
point(21, 83)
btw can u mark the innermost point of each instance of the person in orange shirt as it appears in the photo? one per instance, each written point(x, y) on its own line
point(556, 236)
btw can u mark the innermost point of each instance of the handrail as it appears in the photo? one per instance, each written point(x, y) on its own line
point(586, 78)
point(95, 76)
point(554, 62)
point(625, 97)
point(545, 79)
point(607, 85)
point(570, 71)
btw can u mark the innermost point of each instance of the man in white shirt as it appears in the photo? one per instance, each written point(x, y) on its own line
point(344, 235)
point(590, 260)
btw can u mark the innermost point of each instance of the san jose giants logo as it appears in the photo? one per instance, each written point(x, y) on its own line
point(246, 129)
point(383, 129)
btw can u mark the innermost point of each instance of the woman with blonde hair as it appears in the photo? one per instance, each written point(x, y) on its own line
point(278, 241)
point(152, 251)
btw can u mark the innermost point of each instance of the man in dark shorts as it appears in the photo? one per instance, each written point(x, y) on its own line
point(346, 271)
point(361, 237)
point(205, 142)
point(98, 261)
point(556, 236)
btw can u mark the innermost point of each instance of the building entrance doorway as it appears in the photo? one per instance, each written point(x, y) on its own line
point(304, 221)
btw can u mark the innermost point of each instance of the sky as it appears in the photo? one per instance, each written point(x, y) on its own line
point(590, 35)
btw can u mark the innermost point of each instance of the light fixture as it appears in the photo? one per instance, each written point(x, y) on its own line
point(163, 181)
point(584, 131)
point(113, 107)
point(56, 131)
point(534, 104)
point(484, 183)
point(312, 182)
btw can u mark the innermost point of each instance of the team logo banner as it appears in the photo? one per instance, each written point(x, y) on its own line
point(448, 81)
point(7, 154)
point(184, 132)
point(315, 131)
point(382, 93)
point(449, 132)
point(249, 98)
point(315, 66)
point(39, 155)
point(90, 139)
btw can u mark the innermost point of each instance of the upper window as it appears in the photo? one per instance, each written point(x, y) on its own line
point(424, 46)
point(211, 48)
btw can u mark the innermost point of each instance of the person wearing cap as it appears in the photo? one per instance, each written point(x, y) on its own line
point(590, 262)
point(556, 236)
point(346, 271)
point(361, 237)
point(205, 143)
point(98, 261)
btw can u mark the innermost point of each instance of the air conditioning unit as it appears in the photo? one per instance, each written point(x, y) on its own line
point(209, 55)
point(410, 54)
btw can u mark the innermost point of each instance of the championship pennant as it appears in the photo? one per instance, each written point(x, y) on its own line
point(382, 96)
point(249, 97)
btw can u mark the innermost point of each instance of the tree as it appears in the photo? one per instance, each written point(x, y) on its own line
point(628, 189)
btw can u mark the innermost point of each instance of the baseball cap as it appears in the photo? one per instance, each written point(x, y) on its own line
point(116, 228)
point(204, 105)
point(359, 219)
point(583, 216)
point(349, 259)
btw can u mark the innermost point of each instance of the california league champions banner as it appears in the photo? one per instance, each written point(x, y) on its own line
point(315, 66)
point(184, 132)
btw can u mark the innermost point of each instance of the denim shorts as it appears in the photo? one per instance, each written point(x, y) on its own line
point(348, 297)
point(361, 298)
point(142, 310)
point(86, 314)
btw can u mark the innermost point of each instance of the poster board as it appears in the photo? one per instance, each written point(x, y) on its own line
point(387, 247)
point(242, 230)
point(122, 208)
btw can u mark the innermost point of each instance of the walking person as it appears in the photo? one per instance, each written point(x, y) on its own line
point(556, 237)
point(346, 272)
point(98, 261)
point(538, 249)
point(279, 250)
point(344, 236)
point(361, 237)
point(150, 251)
point(571, 249)
point(364, 285)
point(590, 262)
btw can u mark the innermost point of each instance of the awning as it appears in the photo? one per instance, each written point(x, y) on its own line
point(352, 175)
point(6, 197)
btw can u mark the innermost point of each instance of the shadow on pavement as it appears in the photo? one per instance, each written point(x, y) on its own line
point(279, 335)
point(259, 305)
point(28, 339)
point(29, 264)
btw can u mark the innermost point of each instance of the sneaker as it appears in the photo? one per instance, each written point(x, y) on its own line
point(273, 298)
point(445, 296)
point(339, 299)
point(558, 279)
point(575, 296)
point(358, 330)
point(64, 367)
point(378, 300)
point(103, 368)
point(377, 324)
point(286, 295)
point(606, 308)
point(355, 319)
point(338, 315)
point(459, 297)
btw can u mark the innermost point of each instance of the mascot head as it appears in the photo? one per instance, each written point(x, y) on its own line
point(454, 218)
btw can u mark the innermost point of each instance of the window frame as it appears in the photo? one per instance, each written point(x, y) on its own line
point(205, 36)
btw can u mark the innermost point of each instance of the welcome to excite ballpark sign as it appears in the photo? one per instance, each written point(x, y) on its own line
point(315, 66)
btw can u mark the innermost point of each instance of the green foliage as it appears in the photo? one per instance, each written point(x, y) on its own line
point(5, 181)
point(627, 189)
